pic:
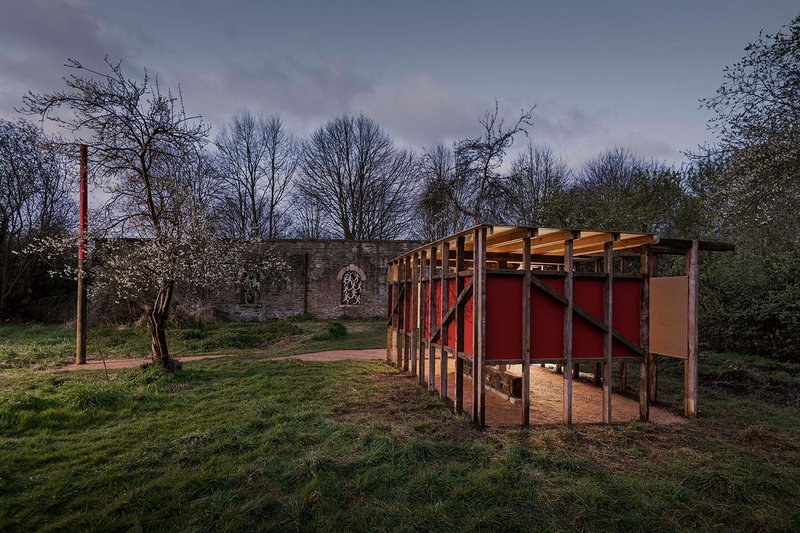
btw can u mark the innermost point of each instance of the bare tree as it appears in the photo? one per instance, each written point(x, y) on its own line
point(35, 188)
point(619, 191)
point(145, 152)
point(310, 221)
point(482, 185)
point(537, 187)
point(257, 159)
point(360, 180)
point(437, 213)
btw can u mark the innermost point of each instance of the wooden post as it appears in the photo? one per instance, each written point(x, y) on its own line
point(389, 309)
point(476, 314)
point(608, 336)
point(432, 324)
point(459, 344)
point(401, 314)
point(414, 312)
point(526, 332)
point(80, 316)
point(652, 359)
point(690, 365)
point(423, 265)
point(480, 320)
point(567, 392)
point(408, 314)
point(443, 330)
point(644, 334)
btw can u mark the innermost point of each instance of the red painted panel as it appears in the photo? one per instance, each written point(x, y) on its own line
point(437, 284)
point(424, 310)
point(587, 339)
point(547, 321)
point(503, 317)
point(468, 321)
point(626, 309)
point(390, 302)
point(409, 314)
point(451, 299)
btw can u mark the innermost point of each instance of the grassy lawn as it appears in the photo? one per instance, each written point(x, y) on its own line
point(245, 443)
point(44, 346)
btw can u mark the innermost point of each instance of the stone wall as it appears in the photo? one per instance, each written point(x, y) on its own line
point(316, 273)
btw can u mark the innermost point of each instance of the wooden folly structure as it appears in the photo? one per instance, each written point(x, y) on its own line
point(522, 295)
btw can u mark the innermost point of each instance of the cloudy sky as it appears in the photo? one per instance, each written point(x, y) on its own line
point(599, 73)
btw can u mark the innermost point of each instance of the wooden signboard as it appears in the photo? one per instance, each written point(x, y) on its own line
point(669, 316)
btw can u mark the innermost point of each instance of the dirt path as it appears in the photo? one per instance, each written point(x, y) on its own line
point(334, 355)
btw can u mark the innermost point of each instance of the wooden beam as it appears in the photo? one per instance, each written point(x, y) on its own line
point(568, 268)
point(526, 332)
point(458, 403)
point(548, 238)
point(506, 237)
point(652, 359)
point(407, 314)
point(414, 312)
point(621, 244)
point(644, 334)
point(690, 365)
point(608, 320)
point(480, 320)
point(450, 314)
point(443, 328)
point(590, 241)
point(423, 266)
point(432, 322)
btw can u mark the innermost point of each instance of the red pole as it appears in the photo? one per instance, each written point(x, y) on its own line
point(80, 319)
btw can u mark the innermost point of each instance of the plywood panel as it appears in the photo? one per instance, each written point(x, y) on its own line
point(669, 316)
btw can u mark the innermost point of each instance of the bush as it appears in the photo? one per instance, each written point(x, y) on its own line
point(335, 330)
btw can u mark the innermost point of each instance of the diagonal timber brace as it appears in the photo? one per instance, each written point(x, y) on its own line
point(451, 313)
point(581, 312)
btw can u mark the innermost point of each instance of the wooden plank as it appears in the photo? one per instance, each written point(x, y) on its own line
point(526, 332)
point(476, 313)
point(690, 365)
point(408, 314)
point(389, 307)
point(608, 338)
point(644, 335)
point(445, 293)
point(423, 267)
point(480, 319)
point(652, 358)
point(432, 322)
point(540, 240)
point(458, 403)
point(414, 312)
point(568, 268)
point(669, 319)
point(450, 314)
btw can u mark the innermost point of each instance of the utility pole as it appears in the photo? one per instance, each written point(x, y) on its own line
point(80, 319)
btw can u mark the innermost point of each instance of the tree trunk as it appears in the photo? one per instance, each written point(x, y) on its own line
point(157, 321)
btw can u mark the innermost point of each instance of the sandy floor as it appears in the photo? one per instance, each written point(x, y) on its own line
point(546, 402)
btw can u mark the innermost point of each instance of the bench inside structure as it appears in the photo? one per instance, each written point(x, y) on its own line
point(521, 295)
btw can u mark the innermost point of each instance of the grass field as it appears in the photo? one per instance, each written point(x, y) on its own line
point(46, 346)
point(246, 443)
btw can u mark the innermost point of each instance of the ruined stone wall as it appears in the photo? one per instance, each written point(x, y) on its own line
point(316, 273)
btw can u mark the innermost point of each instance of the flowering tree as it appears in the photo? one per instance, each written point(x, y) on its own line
point(147, 155)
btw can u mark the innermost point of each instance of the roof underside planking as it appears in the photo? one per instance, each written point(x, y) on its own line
point(505, 243)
